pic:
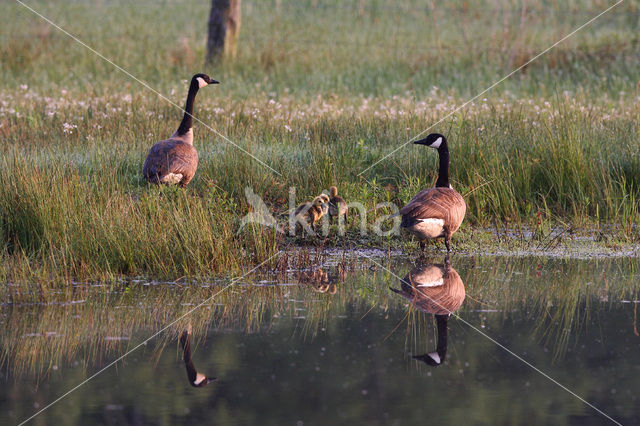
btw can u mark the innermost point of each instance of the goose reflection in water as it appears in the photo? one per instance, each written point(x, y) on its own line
point(196, 379)
point(436, 289)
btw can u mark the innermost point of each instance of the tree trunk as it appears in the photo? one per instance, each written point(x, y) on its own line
point(224, 27)
point(233, 28)
point(217, 29)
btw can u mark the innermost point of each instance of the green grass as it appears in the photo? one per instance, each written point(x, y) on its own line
point(557, 142)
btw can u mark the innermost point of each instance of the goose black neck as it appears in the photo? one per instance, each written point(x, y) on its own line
point(185, 341)
point(192, 373)
point(443, 172)
point(442, 321)
point(187, 119)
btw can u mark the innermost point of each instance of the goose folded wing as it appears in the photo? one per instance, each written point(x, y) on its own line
point(183, 159)
point(435, 203)
point(425, 205)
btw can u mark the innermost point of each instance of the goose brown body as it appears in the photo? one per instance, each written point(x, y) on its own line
point(175, 160)
point(172, 161)
point(434, 288)
point(434, 213)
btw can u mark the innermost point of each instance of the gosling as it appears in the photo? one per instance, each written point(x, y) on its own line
point(337, 205)
point(312, 212)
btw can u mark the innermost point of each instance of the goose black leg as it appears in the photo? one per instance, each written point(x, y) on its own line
point(446, 243)
point(423, 247)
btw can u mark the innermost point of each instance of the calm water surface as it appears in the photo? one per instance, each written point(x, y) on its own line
point(332, 344)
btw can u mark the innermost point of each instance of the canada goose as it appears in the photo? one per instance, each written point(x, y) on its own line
point(337, 205)
point(435, 212)
point(435, 289)
point(197, 380)
point(175, 160)
point(312, 212)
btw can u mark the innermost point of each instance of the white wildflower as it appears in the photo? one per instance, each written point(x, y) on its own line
point(68, 128)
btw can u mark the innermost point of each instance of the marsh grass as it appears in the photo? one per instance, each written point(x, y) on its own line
point(556, 145)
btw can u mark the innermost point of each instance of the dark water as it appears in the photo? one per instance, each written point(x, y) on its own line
point(296, 354)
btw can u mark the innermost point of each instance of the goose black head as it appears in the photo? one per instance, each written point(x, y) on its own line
point(203, 80)
point(432, 358)
point(434, 140)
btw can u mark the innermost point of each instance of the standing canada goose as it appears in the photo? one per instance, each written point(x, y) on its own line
point(435, 212)
point(175, 160)
point(337, 205)
point(436, 289)
point(196, 379)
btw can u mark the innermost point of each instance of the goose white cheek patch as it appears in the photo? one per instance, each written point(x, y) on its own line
point(437, 143)
point(201, 82)
point(199, 379)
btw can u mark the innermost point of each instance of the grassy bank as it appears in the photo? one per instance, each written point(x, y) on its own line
point(319, 94)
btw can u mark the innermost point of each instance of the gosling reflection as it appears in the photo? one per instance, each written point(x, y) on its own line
point(319, 280)
point(436, 289)
point(196, 379)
